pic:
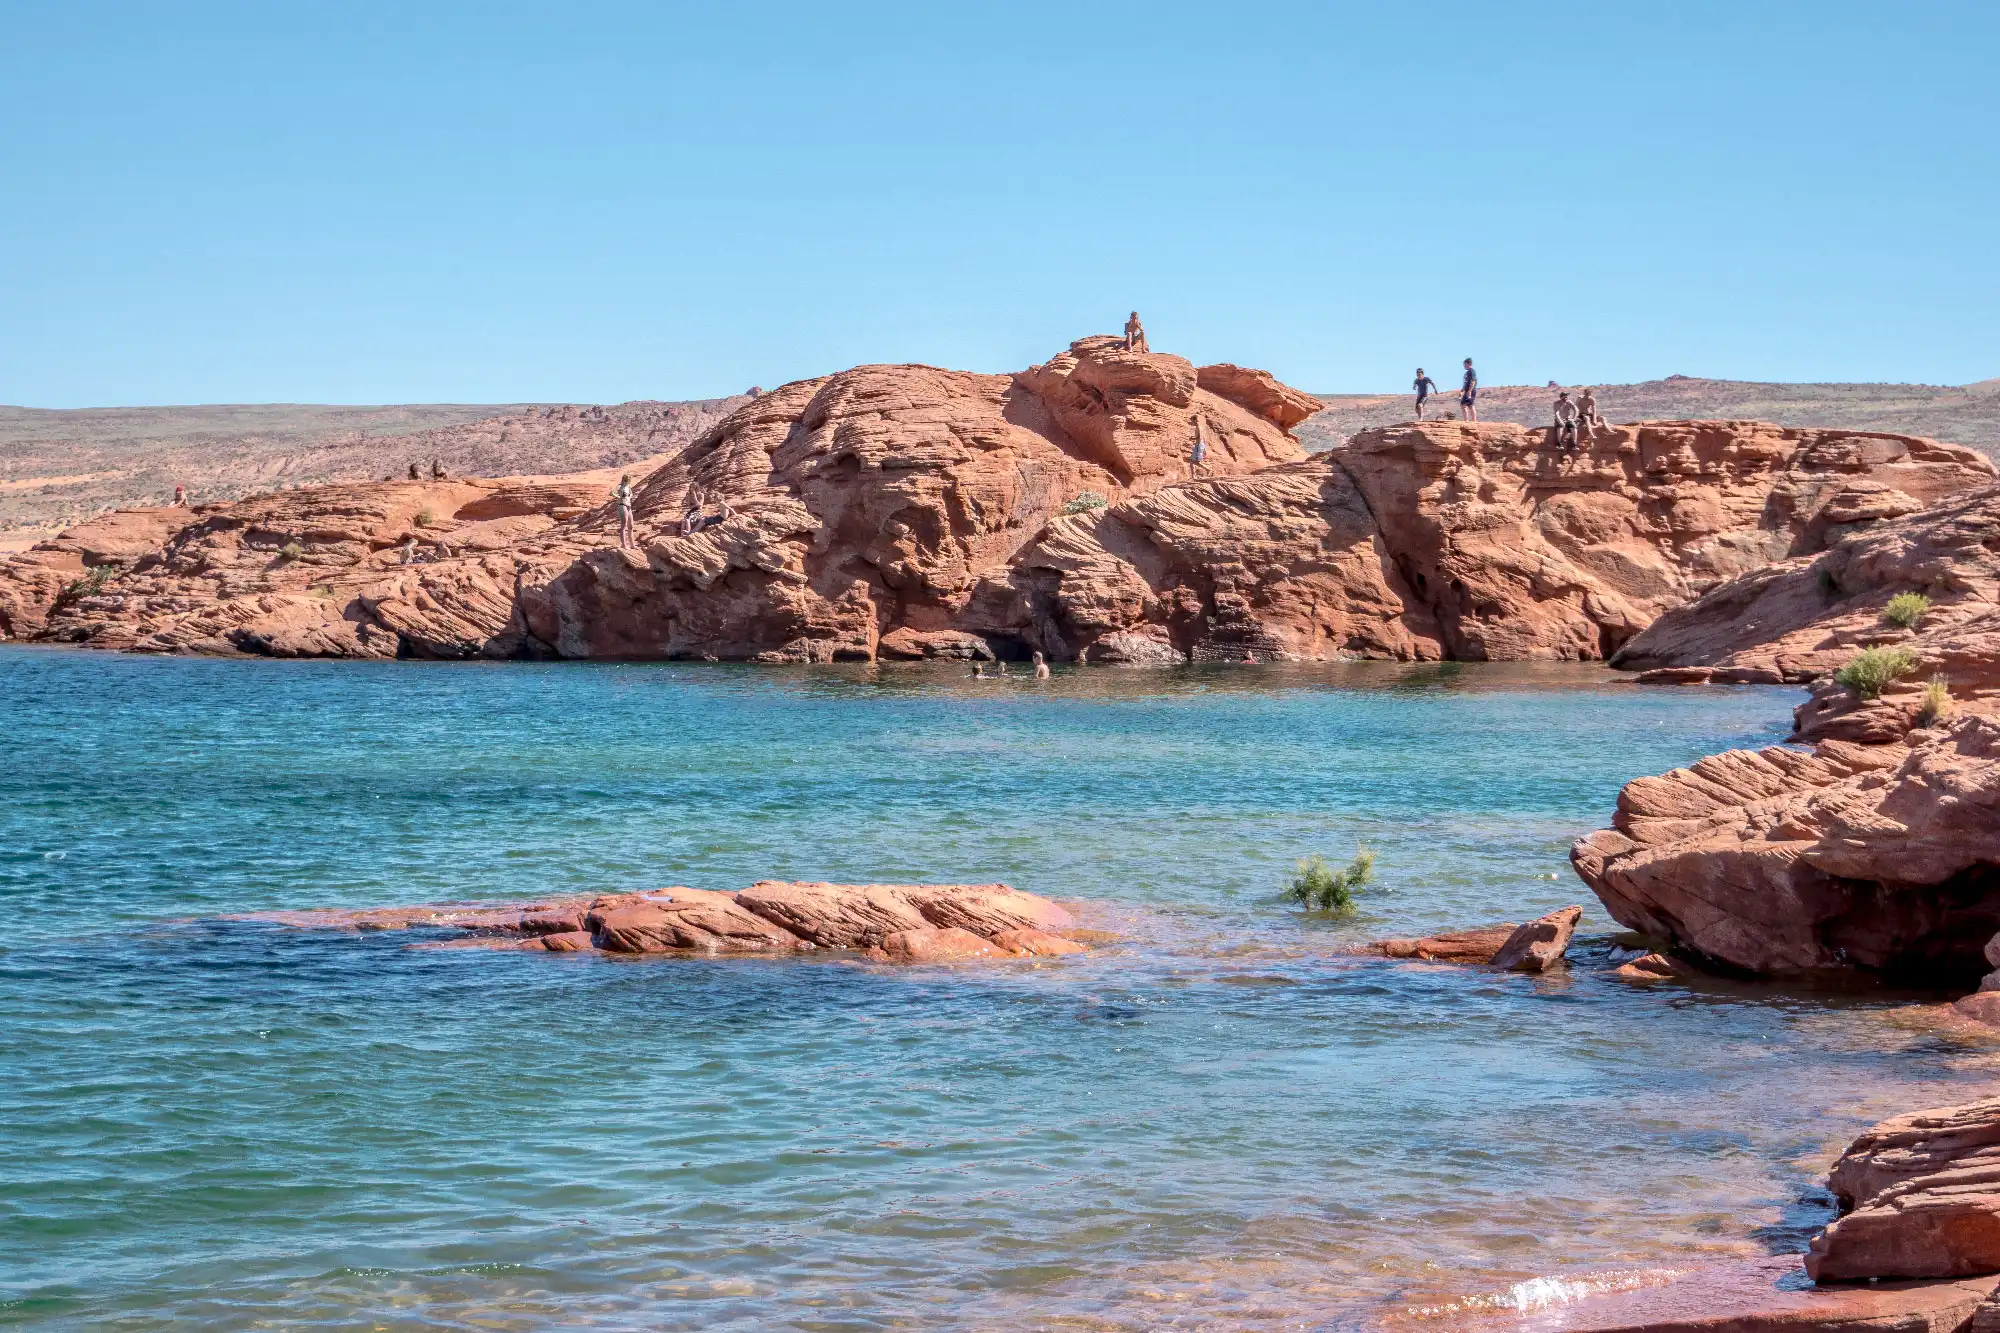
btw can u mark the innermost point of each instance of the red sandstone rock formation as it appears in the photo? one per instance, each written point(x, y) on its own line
point(1457, 540)
point(1802, 618)
point(904, 923)
point(1540, 944)
point(905, 511)
point(1920, 1197)
point(1534, 947)
point(1477, 945)
point(1877, 861)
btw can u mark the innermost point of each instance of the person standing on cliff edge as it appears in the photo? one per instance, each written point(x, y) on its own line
point(1468, 393)
point(623, 495)
point(1135, 335)
point(1425, 387)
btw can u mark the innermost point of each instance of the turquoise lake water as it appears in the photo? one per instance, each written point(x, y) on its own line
point(1225, 1120)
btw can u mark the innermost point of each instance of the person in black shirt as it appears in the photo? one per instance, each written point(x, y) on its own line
point(1468, 395)
point(1425, 387)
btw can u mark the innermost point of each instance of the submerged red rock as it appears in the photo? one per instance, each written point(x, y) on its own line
point(889, 922)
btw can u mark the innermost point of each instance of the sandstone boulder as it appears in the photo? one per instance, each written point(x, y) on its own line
point(1880, 862)
point(1920, 1197)
point(1540, 944)
point(1477, 945)
point(1652, 967)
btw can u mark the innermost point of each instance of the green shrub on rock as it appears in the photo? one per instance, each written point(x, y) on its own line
point(1906, 609)
point(290, 551)
point(1938, 706)
point(1084, 503)
point(1317, 885)
point(1873, 670)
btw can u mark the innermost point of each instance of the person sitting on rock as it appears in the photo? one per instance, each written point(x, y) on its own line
point(623, 495)
point(1041, 667)
point(691, 516)
point(1425, 387)
point(1565, 421)
point(724, 511)
point(1588, 417)
point(1135, 335)
point(414, 474)
point(410, 549)
point(180, 497)
point(437, 473)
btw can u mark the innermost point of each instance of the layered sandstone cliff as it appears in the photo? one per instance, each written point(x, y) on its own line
point(1458, 540)
point(1867, 861)
point(906, 511)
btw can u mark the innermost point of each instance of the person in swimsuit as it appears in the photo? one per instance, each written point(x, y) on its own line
point(1565, 421)
point(1135, 334)
point(1588, 416)
point(978, 671)
point(691, 516)
point(437, 473)
point(414, 474)
point(623, 495)
point(1198, 456)
point(1425, 387)
point(1041, 667)
point(180, 497)
point(1468, 393)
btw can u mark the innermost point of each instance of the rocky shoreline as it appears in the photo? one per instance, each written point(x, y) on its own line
point(905, 512)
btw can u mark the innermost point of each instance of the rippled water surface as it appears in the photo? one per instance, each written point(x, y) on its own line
point(1225, 1121)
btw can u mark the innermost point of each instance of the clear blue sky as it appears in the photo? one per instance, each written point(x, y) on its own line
point(599, 201)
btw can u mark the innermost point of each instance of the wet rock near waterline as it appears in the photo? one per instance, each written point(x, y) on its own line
point(1852, 862)
point(1476, 945)
point(1653, 967)
point(1761, 1295)
point(1532, 947)
point(1540, 944)
point(903, 923)
point(1920, 1198)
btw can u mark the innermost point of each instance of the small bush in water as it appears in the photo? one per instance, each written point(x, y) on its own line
point(1873, 670)
point(1316, 884)
point(1084, 503)
point(1906, 609)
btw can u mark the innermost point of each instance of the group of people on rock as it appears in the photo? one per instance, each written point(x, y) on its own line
point(437, 471)
point(1576, 420)
point(1468, 392)
point(694, 513)
point(1577, 417)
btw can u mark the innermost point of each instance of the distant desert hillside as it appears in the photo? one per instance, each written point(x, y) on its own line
point(1964, 414)
point(60, 466)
